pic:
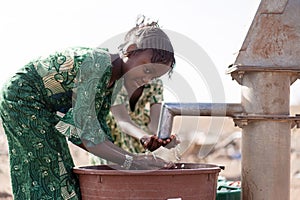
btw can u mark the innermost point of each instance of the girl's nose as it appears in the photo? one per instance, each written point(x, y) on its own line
point(147, 79)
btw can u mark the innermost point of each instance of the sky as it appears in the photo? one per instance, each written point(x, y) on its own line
point(33, 28)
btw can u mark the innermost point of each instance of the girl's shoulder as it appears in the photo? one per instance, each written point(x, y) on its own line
point(85, 51)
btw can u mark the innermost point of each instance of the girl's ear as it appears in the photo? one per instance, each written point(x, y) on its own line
point(130, 48)
point(127, 54)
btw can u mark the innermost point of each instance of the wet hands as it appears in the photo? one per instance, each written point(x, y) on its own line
point(171, 142)
point(150, 162)
point(152, 143)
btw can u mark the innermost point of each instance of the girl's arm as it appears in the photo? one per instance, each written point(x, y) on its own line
point(124, 159)
point(154, 117)
point(124, 122)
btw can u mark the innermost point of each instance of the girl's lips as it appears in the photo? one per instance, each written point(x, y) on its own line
point(139, 82)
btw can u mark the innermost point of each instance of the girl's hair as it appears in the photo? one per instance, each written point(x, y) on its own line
point(148, 35)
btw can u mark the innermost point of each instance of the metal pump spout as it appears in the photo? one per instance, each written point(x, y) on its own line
point(170, 110)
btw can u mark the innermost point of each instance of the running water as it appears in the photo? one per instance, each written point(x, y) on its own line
point(176, 151)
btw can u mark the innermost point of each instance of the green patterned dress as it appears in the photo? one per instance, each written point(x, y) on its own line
point(40, 161)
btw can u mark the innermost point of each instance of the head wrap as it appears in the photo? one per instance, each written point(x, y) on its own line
point(146, 35)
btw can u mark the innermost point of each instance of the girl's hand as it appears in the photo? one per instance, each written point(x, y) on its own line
point(171, 142)
point(150, 162)
point(152, 143)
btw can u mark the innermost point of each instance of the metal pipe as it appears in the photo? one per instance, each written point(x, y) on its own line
point(170, 110)
point(266, 143)
point(268, 64)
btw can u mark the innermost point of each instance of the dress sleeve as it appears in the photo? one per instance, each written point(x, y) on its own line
point(121, 97)
point(67, 127)
point(82, 120)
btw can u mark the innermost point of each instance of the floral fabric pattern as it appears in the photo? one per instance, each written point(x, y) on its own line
point(40, 161)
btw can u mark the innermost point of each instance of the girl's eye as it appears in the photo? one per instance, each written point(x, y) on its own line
point(147, 71)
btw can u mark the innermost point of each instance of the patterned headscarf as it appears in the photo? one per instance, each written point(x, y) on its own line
point(146, 35)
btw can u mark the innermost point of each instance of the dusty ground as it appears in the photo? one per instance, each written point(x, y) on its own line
point(190, 148)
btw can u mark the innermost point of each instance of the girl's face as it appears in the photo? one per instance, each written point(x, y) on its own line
point(139, 70)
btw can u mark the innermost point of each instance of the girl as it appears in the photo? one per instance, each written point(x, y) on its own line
point(80, 83)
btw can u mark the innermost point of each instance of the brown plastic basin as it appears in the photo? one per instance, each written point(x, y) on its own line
point(189, 181)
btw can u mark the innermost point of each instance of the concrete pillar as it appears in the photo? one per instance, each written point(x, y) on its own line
point(266, 142)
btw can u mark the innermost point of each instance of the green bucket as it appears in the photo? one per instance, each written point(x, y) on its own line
point(226, 191)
